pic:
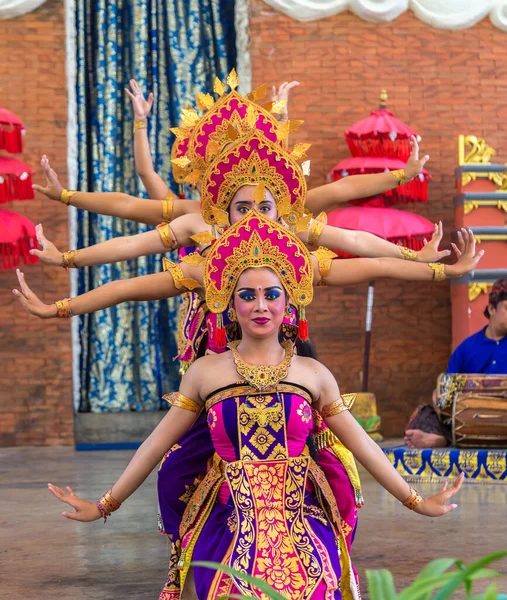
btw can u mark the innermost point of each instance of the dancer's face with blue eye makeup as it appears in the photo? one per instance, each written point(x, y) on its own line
point(260, 301)
point(243, 202)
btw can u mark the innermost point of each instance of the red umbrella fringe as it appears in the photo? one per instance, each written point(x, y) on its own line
point(13, 254)
point(14, 188)
point(413, 191)
point(11, 138)
point(380, 145)
point(414, 243)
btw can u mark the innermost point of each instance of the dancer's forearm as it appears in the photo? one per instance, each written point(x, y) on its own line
point(358, 243)
point(164, 436)
point(122, 248)
point(327, 197)
point(154, 184)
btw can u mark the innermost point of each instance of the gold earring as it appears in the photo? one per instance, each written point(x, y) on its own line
point(231, 314)
point(288, 312)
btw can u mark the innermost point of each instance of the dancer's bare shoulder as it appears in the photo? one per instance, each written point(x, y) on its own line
point(310, 374)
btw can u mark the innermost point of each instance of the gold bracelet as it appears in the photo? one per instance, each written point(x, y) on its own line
point(413, 500)
point(140, 124)
point(407, 253)
point(68, 259)
point(325, 259)
point(399, 174)
point(109, 503)
point(66, 195)
point(438, 271)
point(63, 310)
point(335, 408)
point(314, 232)
point(168, 207)
point(166, 235)
point(180, 281)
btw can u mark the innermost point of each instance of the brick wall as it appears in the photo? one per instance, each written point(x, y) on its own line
point(442, 83)
point(35, 356)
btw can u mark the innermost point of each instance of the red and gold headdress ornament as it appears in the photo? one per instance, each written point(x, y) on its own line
point(254, 242)
point(257, 162)
point(226, 120)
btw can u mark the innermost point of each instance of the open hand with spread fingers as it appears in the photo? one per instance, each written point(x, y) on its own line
point(49, 253)
point(430, 252)
point(437, 505)
point(141, 106)
point(84, 510)
point(53, 188)
point(30, 301)
point(281, 94)
point(415, 164)
point(468, 257)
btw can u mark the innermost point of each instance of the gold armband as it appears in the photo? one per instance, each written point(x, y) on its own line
point(63, 310)
point(166, 235)
point(66, 195)
point(413, 500)
point(314, 232)
point(168, 207)
point(186, 403)
point(438, 271)
point(407, 253)
point(140, 124)
point(335, 408)
point(324, 258)
point(180, 281)
point(399, 174)
point(68, 259)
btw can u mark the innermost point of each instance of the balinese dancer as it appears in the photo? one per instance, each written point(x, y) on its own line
point(263, 507)
point(276, 176)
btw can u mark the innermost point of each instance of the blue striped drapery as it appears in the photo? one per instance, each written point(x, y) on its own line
point(175, 49)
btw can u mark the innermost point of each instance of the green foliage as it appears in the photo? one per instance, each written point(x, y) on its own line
point(437, 581)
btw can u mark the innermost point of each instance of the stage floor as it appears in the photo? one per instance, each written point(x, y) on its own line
point(45, 556)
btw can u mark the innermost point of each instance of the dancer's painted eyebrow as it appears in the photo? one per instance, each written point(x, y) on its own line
point(247, 289)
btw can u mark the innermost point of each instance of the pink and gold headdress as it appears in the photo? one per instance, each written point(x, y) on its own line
point(254, 242)
point(226, 120)
point(258, 162)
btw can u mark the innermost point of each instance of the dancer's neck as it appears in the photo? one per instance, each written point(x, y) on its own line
point(261, 351)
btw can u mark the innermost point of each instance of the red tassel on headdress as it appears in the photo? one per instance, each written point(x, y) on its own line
point(302, 325)
point(220, 337)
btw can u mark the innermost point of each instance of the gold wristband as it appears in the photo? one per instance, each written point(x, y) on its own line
point(166, 235)
point(438, 271)
point(314, 232)
point(413, 500)
point(407, 253)
point(168, 207)
point(109, 503)
point(140, 124)
point(66, 195)
point(68, 259)
point(399, 174)
point(335, 408)
point(63, 310)
point(325, 259)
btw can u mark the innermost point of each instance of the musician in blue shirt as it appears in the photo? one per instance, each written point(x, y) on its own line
point(483, 352)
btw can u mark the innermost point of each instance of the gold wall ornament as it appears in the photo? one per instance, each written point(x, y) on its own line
point(490, 237)
point(470, 205)
point(479, 153)
point(476, 289)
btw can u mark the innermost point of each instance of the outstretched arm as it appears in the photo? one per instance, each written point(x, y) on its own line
point(362, 243)
point(369, 454)
point(117, 204)
point(154, 184)
point(326, 198)
point(148, 287)
point(166, 237)
point(360, 270)
point(164, 436)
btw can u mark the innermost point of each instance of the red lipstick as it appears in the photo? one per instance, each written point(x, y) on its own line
point(261, 320)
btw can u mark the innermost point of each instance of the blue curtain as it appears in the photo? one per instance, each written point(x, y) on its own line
point(174, 48)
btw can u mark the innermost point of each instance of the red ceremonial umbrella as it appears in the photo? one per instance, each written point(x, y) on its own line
point(17, 237)
point(11, 132)
point(380, 134)
point(15, 180)
point(413, 191)
point(397, 226)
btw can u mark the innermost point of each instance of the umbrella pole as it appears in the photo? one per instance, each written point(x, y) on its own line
point(367, 335)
